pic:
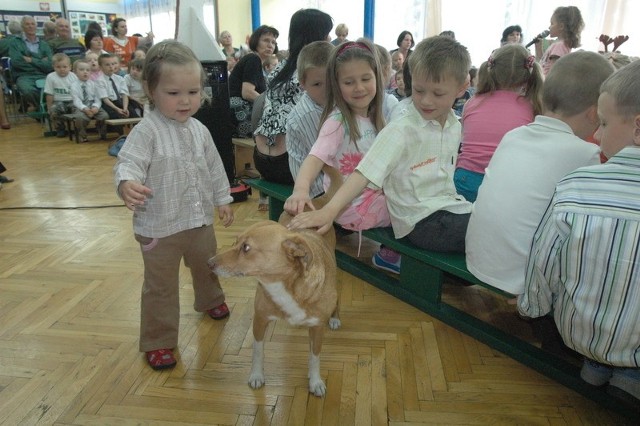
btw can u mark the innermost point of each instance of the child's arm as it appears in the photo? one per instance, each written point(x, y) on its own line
point(109, 103)
point(248, 92)
point(125, 105)
point(133, 193)
point(309, 170)
point(539, 52)
point(225, 213)
point(323, 218)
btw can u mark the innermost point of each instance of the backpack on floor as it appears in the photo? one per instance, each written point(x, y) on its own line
point(114, 148)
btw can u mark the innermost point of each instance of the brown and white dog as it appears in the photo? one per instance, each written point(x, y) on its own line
point(296, 272)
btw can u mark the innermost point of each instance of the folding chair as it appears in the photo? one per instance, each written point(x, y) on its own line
point(42, 114)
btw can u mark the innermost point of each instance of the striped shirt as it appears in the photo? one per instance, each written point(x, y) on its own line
point(181, 165)
point(585, 261)
point(303, 124)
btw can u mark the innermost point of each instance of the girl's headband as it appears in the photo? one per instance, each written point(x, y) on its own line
point(350, 45)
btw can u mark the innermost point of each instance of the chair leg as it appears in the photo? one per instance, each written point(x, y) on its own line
point(69, 125)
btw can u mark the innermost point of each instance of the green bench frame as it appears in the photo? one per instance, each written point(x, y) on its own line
point(420, 284)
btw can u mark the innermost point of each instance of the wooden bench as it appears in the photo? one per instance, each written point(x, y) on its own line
point(72, 130)
point(126, 123)
point(420, 283)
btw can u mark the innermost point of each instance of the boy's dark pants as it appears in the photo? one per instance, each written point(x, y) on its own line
point(441, 231)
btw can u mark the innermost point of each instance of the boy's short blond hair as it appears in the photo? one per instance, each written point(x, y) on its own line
point(573, 84)
point(59, 57)
point(78, 62)
point(624, 87)
point(314, 55)
point(437, 57)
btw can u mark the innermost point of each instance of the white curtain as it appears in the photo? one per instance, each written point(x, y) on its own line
point(479, 25)
point(151, 15)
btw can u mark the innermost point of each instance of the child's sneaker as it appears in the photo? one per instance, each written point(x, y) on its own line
point(594, 373)
point(387, 259)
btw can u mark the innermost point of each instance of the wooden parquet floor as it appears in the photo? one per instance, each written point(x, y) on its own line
point(70, 279)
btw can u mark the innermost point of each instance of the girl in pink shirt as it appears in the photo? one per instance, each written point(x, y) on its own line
point(566, 25)
point(349, 124)
point(508, 95)
point(351, 119)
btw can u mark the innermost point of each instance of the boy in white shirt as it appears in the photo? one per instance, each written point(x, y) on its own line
point(413, 157)
point(57, 89)
point(112, 88)
point(86, 101)
point(525, 168)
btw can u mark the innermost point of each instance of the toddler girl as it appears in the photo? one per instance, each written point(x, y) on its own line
point(351, 119)
point(508, 95)
point(170, 175)
point(566, 25)
point(96, 71)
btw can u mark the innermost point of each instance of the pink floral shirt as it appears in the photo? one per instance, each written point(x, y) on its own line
point(334, 148)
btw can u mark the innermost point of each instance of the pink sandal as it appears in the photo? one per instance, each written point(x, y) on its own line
point(219, 312)
point(161, 359)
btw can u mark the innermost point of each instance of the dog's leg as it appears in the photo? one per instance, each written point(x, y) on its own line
point(256, 378)
point(334, 321)
point(316, 385)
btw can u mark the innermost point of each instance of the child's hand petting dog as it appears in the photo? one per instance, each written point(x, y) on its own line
point(321, 219)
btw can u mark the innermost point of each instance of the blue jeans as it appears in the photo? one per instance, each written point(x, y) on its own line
point(467, 183)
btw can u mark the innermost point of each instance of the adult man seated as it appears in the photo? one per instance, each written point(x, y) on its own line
point(14, 30)
point(49, 31)
point(30, 61)
point(64, 43)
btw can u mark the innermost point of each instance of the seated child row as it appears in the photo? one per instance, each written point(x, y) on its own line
point(105, 96)
point(410, 165)
point(351, 122)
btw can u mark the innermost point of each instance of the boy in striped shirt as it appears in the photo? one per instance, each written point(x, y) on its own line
point(584, 262)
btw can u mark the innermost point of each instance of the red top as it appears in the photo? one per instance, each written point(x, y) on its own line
point(123, 52)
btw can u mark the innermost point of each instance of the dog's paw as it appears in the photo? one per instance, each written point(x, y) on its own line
point(317, 387)
point(256, 380)
point(334, 323)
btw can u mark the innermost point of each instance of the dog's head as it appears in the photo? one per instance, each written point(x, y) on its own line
point(272, 253)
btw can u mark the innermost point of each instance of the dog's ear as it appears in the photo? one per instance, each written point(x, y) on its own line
point(297, 248)
point(307, 256)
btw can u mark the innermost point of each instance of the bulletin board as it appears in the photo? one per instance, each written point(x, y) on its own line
point(16, 15)
point(79, 21)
